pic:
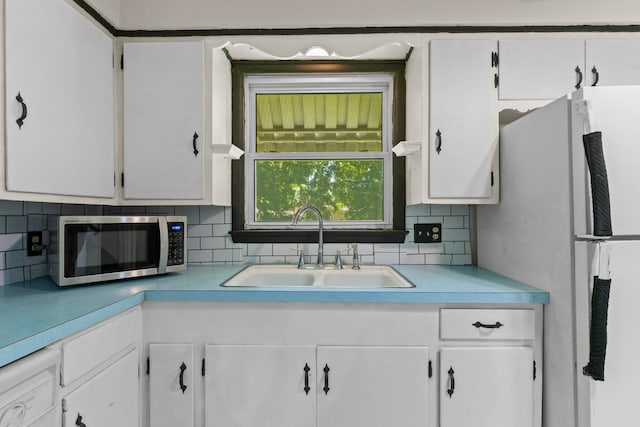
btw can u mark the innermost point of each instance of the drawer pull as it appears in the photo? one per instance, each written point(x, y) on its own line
point(326, 379)
point(183, 368)
point(195, 140)
point(579, 73)
point(596, 76)
point(79, 421)
point(23, 116)
point(452, 382)
point(306, 378)
point(483, 325)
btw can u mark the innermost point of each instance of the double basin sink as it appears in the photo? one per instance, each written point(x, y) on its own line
point(369, 276)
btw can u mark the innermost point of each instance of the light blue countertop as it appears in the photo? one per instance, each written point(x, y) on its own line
point(36, 313)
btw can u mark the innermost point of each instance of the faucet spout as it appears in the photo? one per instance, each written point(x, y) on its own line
point(315, 210)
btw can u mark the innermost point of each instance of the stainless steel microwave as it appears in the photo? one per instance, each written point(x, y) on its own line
point(87, 249)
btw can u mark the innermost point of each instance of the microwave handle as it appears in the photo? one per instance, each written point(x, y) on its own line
point(164, 245)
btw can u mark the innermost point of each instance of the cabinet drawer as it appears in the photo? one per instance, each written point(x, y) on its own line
point(88, 350)
point(487, 324)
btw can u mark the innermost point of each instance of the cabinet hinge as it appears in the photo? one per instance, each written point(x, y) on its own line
point(203, 366)
point(147, 366)
point(430, 369)
point(492, 181)
point(496, 80)
point(122, 61)
point(495, 59)
point(535, 370)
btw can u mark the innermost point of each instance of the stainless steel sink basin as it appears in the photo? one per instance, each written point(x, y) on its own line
point(369, 276)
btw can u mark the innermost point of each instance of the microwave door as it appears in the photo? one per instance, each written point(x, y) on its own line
point(113, 250)
point(89, 253)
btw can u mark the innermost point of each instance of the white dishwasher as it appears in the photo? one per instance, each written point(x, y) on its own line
point(29, 392)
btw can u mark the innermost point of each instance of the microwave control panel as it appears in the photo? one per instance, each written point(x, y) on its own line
point(176, 243)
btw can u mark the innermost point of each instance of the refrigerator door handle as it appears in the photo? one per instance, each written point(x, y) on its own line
point(599, 312)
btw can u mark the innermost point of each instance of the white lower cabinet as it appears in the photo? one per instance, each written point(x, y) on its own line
point(171, 385)
point(251, 385)
point(372, 386)
point(486, 386)
point(108, 399)
point(305, 386)
point(280, 364)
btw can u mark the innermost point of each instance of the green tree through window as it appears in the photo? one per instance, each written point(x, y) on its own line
point(350, 190)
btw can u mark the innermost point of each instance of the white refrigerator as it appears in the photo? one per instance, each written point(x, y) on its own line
point(546, 232)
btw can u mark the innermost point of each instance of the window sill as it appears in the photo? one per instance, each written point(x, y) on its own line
point(311, 236)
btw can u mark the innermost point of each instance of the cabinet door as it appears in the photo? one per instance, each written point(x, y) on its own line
point(171, 385)
point(463, 119)
point(541, 69)
point(486, 387)
point(613, 62)
point(163, 120)
point(255, 385)
point(372, 386)
point(108, 399)
point(61, 65)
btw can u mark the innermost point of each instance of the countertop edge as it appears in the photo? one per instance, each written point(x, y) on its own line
point(22, 348)
point(138, 294)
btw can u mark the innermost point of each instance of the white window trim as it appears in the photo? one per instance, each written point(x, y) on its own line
point(319, 83)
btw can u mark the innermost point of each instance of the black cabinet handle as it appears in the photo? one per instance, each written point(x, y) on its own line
point(195, 139)
point(484, 325)
point(326, 379)
point(306, 378)
point(79, 421)
point(452, 382)
point(23, 116)
point(596, 76)
point(579, 73)
point(438, 141)
point(183, 368)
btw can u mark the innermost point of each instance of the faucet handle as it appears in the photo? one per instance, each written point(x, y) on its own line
point(339, 258)
point(300, 252)
point(356, 257)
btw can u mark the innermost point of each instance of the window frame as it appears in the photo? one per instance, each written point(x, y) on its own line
point(317, 83)
point(239, 71)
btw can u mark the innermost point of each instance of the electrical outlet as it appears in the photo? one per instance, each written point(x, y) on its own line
point(427, 233)
point(34, 243)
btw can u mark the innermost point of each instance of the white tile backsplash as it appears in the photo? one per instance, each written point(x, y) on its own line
point(209, 241)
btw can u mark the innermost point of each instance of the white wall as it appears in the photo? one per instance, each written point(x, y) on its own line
point(171, 14)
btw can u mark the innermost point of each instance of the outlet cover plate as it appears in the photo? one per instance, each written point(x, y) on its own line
point(427, 233)
point(34, 243)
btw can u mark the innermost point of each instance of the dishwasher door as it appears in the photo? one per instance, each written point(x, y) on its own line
point(29, 392)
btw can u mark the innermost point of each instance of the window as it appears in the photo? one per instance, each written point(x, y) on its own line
point(321, 137)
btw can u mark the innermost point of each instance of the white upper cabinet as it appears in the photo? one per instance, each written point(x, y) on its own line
point(541, 69)
point(550, 68)
point(613, 62)
point(164, 141)
point(59, 101)
point(463, 122)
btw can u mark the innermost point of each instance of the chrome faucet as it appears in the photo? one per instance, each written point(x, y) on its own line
point(320, 262)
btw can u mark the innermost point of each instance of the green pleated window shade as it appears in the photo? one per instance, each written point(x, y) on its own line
point(319, 122)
